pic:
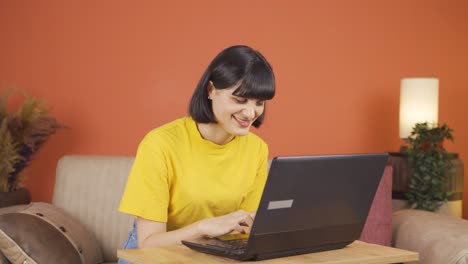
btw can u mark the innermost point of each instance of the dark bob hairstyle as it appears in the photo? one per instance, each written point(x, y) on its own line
point(233, 65)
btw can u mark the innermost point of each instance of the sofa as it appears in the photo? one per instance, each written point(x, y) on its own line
point(88, 189)
point(84, 216)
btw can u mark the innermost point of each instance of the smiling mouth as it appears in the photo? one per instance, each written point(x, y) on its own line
point(242, 123)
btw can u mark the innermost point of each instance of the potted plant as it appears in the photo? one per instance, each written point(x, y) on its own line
point(22, 133)
point(430, 166)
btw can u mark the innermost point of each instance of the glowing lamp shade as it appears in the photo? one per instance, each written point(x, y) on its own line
point(419, 102)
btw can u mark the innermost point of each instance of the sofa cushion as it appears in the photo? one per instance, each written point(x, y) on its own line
point(42, 233)
point(439, 238)
point(89, 189)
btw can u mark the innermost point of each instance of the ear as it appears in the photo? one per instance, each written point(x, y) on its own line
point(211, 89)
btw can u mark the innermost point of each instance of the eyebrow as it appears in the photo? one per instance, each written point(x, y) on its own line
point(258, 100)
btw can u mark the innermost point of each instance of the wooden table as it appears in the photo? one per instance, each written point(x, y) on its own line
point(356, 253)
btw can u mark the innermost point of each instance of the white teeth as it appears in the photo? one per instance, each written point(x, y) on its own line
point(242, 121)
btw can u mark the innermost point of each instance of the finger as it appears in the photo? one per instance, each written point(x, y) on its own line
point(246, 220)
point(249, 220)
point(252, 214)
point(246, 229)
point(239, 229)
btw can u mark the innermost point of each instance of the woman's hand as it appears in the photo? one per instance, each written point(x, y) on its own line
point(239, 221)
point(153, 234)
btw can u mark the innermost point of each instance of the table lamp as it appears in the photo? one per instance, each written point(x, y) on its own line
point(419, 103)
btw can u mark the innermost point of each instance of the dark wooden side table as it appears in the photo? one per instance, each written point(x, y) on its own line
point(401, 176)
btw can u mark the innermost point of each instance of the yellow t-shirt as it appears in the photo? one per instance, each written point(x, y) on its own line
point(179, 178)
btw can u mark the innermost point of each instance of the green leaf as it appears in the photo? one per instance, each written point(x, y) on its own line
point(429, 164)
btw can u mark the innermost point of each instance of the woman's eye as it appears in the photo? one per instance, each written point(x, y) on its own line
point(240, 100)
point(260, 103)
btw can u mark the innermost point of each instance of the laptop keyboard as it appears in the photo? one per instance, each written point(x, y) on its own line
point(232, 247)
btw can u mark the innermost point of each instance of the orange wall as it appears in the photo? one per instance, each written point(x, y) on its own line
point(112, 70)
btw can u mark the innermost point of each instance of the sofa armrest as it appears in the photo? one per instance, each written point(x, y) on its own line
point(439, 238)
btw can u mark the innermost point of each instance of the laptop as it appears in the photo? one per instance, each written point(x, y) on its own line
point(309, 204)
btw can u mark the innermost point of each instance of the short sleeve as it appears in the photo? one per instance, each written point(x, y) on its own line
point(147, 190)
point(254, 194)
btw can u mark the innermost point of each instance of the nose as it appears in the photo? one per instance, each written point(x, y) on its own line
point(249, 112)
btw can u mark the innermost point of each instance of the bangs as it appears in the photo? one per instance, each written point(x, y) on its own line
point(258, 83)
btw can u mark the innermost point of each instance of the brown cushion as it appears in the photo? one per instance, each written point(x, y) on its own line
point(42, 233)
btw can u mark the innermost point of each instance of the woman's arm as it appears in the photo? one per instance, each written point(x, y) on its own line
point(153, 234)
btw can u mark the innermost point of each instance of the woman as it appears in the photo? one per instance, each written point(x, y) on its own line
point(203, 175)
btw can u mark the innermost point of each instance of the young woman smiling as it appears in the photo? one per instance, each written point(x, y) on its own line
point(203, 175)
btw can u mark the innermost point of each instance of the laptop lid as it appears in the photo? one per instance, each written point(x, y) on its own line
point(309, 204)
point(314, 203)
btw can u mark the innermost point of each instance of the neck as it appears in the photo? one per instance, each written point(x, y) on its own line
point(214, 133)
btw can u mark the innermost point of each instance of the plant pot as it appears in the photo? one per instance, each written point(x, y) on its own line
point(21, 196)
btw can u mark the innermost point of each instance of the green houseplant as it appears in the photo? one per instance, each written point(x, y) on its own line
point(22, 133)
point(430, 166)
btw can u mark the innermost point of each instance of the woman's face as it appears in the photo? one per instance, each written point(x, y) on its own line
point(233, 113)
